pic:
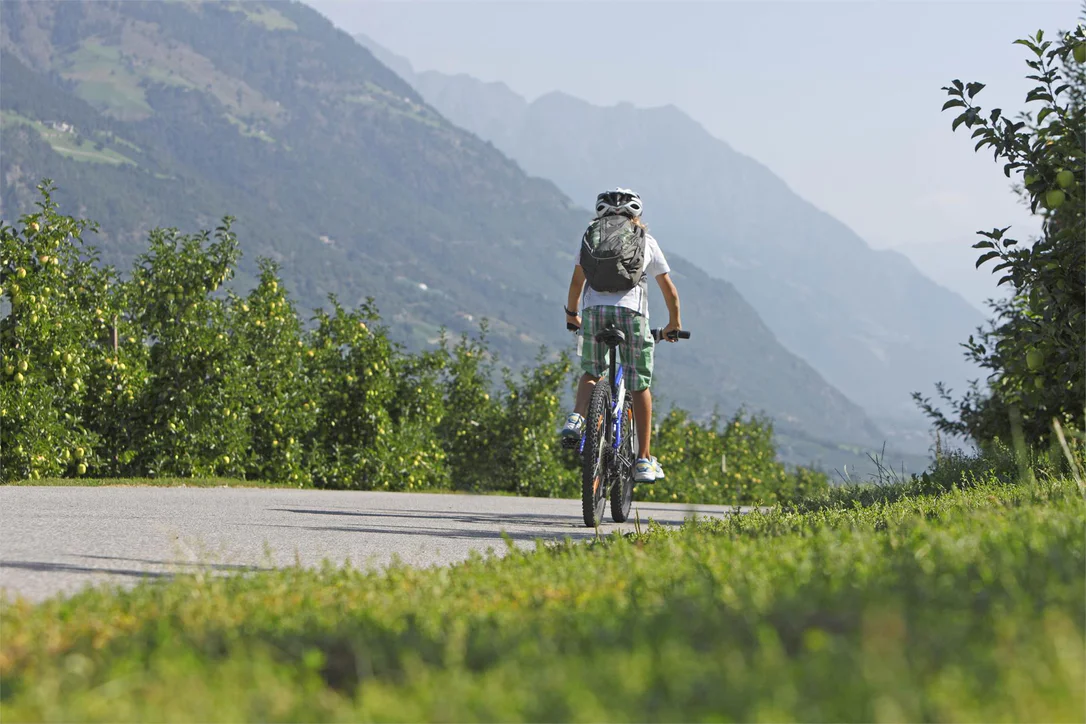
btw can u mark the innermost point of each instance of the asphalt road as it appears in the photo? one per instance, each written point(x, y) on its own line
point(60, 539)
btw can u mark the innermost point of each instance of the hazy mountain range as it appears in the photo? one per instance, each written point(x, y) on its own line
point(869, 321)
point(172, 114)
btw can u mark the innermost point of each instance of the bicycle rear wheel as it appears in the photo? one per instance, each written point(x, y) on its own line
point(622, 469)
point(594, 474)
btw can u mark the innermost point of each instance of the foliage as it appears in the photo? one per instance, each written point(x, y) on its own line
point(961, 606)
point(733, 462)
point(166, 374)
point(336, 168)
point(1035, 348)
point(52, 342)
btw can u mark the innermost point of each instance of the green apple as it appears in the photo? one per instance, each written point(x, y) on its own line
point(81, 469)
point(20, 272)
point(1054, 198)
point(1034, 359)
point(23, 365)
point(1065, 178)
point(1080, 53)
point(79, 453)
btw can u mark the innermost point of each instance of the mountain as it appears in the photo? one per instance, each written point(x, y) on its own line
point(952, 264)
point(867, 320)
point(154, 113)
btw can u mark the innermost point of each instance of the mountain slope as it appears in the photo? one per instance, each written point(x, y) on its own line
point(176, 113)
point(867, 320)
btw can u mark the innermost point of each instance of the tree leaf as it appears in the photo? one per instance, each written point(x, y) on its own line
point(985, 257)
point(954, 103)
point(973, 88)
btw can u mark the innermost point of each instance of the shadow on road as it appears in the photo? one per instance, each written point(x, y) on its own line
point(56, 567)
point(53, 567)
point(546, 526)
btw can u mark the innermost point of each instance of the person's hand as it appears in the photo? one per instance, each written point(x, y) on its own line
point(573, 319)
point(672, 326)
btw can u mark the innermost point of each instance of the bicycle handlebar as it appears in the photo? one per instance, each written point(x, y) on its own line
point(657, 334)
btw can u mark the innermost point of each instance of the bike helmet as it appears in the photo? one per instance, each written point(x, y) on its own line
point(618, 201)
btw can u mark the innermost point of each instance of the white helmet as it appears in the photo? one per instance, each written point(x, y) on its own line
point(618, 201)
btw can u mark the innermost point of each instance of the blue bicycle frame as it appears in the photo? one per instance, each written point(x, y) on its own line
point(618, 397)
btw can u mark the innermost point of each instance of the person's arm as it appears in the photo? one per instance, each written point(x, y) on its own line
point(671, 298)
point(573, 300)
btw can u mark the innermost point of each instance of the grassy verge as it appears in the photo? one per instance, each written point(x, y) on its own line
point(204, 483)
point(961, 605)
point(153, 482)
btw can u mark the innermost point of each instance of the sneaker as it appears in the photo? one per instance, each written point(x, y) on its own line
point(573, 428)
point(644, 470)
point(656, 466)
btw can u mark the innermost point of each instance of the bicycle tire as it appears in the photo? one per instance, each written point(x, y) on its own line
point(594, 463)
point(622, 468)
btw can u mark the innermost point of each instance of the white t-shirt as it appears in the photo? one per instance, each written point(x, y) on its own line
point(637, 298)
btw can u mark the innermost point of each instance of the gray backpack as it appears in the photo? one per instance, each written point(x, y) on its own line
point(613, 254)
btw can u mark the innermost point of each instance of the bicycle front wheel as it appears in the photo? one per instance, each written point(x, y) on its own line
point(622, 484)
point(594, 477)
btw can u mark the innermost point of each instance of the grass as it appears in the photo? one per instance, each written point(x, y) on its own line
point(247, 130)
point(268, 17)
point(151, 482)
point(202, 483)
point(65, 143)
point(104, 81)
point(966, 604)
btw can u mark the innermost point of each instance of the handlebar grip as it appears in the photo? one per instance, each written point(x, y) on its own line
point(658, 334)
point(572, 327)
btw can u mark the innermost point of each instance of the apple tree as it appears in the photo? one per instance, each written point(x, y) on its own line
point(51, 336)
point(1035, 348)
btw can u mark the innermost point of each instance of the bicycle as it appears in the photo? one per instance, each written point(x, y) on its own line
point(608, 445)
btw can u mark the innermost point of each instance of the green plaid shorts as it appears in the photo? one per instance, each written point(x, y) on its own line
point(635, 353)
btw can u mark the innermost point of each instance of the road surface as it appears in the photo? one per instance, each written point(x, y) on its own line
point(60, 539)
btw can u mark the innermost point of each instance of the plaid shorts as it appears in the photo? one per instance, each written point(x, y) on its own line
point(635, 353)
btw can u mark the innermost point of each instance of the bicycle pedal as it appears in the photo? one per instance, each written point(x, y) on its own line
point(570, 443)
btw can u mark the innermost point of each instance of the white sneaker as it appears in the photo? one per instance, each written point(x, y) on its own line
point(644, 470)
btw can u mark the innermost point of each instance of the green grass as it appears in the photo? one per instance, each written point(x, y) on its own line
point(151, 482)
point(268, 17)
point(962, 606)
point(104, 81)
point(247, 130)
point(65, 143)
point(198, 483)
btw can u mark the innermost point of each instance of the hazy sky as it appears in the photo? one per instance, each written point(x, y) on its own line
point(841, 99)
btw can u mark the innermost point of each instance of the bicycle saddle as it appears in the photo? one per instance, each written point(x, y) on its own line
point(610, 336)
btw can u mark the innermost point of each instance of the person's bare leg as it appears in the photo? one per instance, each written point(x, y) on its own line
point(584, 393)
point(642, 400)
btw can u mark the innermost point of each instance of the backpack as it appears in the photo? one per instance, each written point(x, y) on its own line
point(613, 254)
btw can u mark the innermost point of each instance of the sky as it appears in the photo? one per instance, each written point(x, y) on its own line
point(840, 99)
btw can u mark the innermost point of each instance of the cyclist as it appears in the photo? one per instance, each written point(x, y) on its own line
point(628, 311)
